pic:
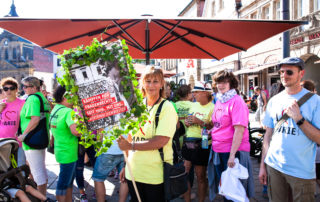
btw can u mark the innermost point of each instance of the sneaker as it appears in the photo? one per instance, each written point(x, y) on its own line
point(83, 198)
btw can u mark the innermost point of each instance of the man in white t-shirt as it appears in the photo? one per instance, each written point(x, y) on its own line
point(288, 159)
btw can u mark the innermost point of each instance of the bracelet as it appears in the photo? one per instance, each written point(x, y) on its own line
point(132, 145)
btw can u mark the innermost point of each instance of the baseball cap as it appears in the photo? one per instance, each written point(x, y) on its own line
point(295, 61)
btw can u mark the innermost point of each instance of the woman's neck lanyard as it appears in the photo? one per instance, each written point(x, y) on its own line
point(153, 104)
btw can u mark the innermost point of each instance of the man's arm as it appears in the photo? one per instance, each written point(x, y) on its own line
point(265, 148)
point(307, 128)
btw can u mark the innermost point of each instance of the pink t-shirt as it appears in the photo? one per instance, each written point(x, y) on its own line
point(9, 119)
point(224, 117)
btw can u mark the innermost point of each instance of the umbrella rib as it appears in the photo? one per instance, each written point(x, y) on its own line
point(164, 36)
point(200, 34)
point(164, 44)
point(125, 32)
point(91, 33)
point(185, 40)
point(127, 40)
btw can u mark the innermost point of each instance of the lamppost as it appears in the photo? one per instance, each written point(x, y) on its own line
point(238, 6)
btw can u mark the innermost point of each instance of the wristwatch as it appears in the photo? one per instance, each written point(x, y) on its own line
point(300, 122)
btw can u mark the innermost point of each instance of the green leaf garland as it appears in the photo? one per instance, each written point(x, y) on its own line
point(86, 56)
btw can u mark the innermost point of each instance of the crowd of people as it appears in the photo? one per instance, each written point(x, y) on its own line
point(288, 167)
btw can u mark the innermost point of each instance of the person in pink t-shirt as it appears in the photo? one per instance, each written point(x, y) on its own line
point(10, 108)
point(230, 136)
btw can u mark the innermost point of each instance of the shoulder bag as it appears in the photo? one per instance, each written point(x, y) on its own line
point(38, 138)
point(175, 177)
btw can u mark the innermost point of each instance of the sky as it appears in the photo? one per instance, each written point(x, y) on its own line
point(94, 8)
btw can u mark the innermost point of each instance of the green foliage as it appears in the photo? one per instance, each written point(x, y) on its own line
point(88, 55)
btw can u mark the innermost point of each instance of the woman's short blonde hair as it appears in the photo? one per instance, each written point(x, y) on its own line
point(152, 72)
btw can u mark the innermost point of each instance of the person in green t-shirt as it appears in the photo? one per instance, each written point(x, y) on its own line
point(65, 136)
point(30, 117)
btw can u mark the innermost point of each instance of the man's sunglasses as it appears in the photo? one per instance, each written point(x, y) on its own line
point(9, 88)
point(288, 72)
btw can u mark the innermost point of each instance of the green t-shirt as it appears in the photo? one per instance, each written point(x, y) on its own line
point(202, 112)
point(65, 143)
point(32, 108)
point(183, 108)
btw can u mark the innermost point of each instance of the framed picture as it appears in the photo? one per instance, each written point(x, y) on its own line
point(100, 92)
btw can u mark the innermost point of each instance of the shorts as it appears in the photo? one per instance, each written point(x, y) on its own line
point(318, 171)
point(66, 176)
point(197, 156)
point(36, 160)
point(106, 163)
point(13, 191)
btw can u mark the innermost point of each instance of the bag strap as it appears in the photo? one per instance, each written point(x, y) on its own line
point(285, 117)
point(157, 121)
point(41, 102)
point(53, 115)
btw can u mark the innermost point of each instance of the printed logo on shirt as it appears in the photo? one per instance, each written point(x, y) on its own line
point(285, 128)
point(8, 118)
point(217, 115)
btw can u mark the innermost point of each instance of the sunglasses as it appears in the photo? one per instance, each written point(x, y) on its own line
point(27, 86)
point(9, 88)
point(288, 72)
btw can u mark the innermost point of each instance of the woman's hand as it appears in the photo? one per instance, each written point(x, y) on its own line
point(231, 161)
point(21, 137)
point(124, 145)
point(2, 106)
point(122, 175)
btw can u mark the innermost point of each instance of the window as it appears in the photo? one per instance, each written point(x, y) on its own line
point(84, 74)
point(278, 10)
point(213, 9)
point(301, 8)
point(316, 5)
point(253, 16)
point(221, 4)
point(266, 13)
point(99, 70)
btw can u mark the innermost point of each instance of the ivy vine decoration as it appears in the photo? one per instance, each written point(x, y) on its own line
point(133, 118)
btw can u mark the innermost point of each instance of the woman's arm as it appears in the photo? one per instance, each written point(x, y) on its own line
point(154, 143)
point(236, 142)
point(73, 129)
point(32, 125)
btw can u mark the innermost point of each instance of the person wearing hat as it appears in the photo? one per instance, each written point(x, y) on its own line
point(199, 118)
point(230, 135)
point(288, 157)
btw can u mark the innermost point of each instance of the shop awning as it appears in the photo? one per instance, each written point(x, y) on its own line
point(254, 69)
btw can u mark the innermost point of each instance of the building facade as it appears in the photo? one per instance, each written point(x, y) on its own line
point(258, 64)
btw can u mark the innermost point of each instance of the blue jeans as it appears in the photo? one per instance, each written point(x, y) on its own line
point(222, 167)
point(80, 165)
point(66, 177)
point(106, 163)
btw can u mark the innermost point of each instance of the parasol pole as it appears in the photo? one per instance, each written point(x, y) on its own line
point(132, 178)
